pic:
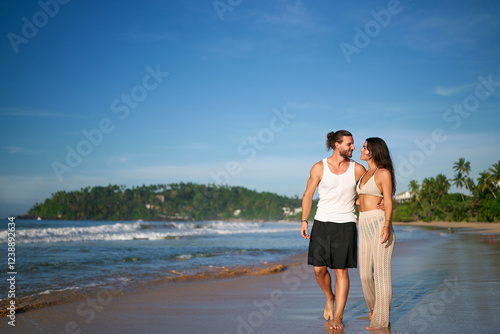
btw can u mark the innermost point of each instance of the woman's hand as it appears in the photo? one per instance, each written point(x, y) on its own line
point(384, 235)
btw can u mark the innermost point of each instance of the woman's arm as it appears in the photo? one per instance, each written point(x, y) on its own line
point(384, 181)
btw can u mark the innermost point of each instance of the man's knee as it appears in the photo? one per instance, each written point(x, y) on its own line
point(341, 273)
point(320, 271)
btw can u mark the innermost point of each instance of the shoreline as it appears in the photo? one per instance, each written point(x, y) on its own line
point(41, 300)
point(287, 297)
point(478, 226)
point(172, 220)
point(429, 278)
point(61, 297)
point(416, 223)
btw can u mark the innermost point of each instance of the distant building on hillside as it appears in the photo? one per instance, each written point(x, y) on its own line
point(403, 196)
point(290, 211)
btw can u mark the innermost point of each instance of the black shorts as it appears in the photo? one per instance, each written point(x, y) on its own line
point(334, 245)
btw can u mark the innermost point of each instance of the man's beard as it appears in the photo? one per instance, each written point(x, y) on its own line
point(345, 154)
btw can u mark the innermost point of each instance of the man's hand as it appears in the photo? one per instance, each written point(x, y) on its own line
point(381, 205)
point(303, 230)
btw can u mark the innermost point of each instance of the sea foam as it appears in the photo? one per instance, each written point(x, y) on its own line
point(137, 231)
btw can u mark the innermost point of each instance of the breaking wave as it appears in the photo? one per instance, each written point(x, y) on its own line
point(140, 231)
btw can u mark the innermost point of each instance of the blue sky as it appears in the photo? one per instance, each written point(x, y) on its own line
point(239, 92)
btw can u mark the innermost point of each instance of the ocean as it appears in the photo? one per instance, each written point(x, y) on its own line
point(55, 256)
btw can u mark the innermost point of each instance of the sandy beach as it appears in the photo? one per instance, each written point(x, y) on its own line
point(441, 285)
point(493, 228)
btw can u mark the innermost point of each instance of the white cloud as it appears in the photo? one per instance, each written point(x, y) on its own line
point(19, 193)
point(20, 150)
point(195, 146)
point(438, 32)
point(450, 91)
point(293, 15)
point(136, 35)
point(6, 111)
point(226, 48)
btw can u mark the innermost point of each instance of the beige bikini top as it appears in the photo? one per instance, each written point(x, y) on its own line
point(370, 187)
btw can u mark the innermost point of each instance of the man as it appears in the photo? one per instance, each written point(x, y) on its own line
point(333, 240)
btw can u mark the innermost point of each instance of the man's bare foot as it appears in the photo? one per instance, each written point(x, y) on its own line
point(337, 322)
point(328, 313)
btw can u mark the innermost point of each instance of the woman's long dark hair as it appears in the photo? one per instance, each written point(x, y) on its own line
point(381, 156)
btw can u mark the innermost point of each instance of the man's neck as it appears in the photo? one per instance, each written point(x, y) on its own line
point(337, 159)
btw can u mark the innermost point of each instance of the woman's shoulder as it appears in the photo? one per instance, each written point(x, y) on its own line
point(383, 173)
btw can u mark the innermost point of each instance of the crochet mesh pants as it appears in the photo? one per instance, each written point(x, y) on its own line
point(375, 266)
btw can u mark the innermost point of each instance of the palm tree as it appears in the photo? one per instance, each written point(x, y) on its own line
point(434, 189)
point(414, 189)
point(462, 169)
point(484, 182)
point(495, 173)
point(458, 181)
point(442, 185)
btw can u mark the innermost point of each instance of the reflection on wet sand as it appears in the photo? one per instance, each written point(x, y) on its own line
point(330, 330)
point(380, 330)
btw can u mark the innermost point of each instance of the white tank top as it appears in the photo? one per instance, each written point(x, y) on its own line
point(337, 194)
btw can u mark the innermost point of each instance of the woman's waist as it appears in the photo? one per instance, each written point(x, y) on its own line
point(371, 213)
point(369, 202)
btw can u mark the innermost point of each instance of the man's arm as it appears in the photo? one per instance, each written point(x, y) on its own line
point(359, 171)
point(312, 184)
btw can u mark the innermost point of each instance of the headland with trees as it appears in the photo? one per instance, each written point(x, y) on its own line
point(477, 201)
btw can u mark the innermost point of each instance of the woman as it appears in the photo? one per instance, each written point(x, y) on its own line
point(376, 235)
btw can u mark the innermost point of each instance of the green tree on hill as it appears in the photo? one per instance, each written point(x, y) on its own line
point(431, 200)
point(178, 201)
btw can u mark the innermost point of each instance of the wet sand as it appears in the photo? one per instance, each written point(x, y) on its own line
point(492, 228)
point(445, 285)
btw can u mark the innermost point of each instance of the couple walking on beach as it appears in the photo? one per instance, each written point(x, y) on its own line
point(333, 239)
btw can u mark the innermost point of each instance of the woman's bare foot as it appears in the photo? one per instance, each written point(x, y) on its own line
point(370, 316)
point(381, 329)
point(337, 322)
point(328, 313)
